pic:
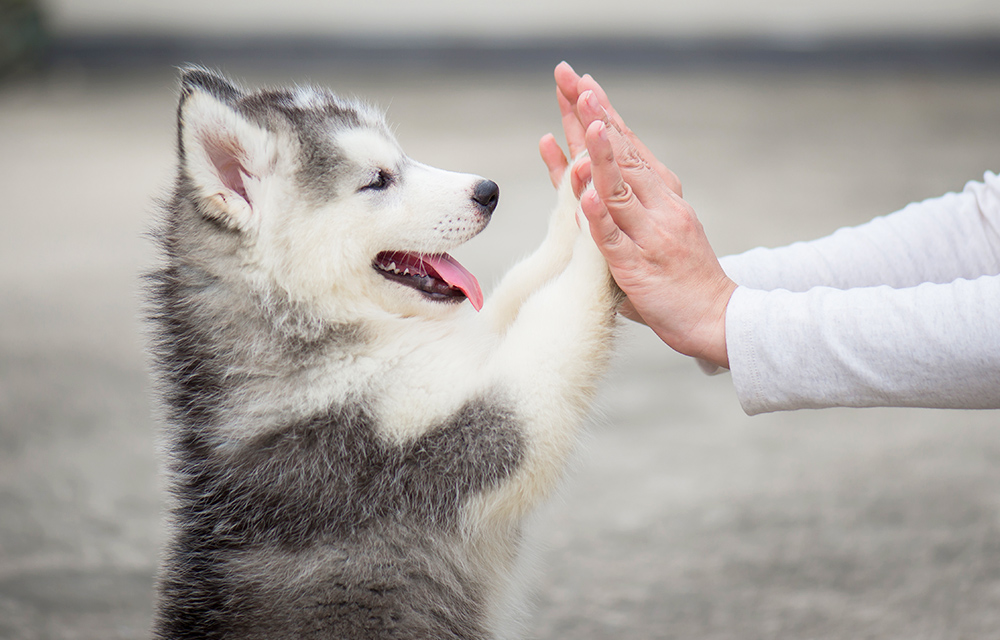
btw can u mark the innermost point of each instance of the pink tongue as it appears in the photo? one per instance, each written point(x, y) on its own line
point(457, 276)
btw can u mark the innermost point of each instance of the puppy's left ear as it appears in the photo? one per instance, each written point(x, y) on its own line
point(224, 154)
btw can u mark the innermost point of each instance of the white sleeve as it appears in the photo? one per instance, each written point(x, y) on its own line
point(901, 311)
point(938, 240)
point(934, 345)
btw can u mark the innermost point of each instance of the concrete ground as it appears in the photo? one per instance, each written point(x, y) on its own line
point(682, 518)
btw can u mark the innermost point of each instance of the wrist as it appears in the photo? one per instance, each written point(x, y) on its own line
point(708, 341)
point(719, 347)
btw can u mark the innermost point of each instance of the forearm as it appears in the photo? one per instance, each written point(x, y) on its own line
point(938, 240)
point(935, 345)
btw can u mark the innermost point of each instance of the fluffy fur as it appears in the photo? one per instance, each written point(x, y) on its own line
point(350, 456)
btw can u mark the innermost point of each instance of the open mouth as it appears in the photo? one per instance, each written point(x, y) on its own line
point(437, 275)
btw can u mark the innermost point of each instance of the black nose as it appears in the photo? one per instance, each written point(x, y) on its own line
point(486, 195)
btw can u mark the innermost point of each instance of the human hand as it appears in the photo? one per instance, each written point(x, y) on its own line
point(655, 246)
point(569, 86)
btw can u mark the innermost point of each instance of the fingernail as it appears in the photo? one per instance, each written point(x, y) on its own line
point(602, 130)
point(591, 100)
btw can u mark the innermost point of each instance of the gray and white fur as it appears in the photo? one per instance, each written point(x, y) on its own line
point(351, 449)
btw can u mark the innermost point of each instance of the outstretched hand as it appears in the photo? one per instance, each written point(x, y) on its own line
point(655, 246)
point(569, 86)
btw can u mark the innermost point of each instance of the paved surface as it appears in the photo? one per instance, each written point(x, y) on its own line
point(683, 518)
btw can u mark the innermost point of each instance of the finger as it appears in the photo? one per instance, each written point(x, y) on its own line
point(614, 244)
point(567, 81)
point(587, 83)
point(580, 175)
point(572, 127)
point(553, 157)
point(611, 186)
point(636, 171)
point(567, 94)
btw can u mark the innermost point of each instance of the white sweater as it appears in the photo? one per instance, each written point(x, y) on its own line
point(901, 311)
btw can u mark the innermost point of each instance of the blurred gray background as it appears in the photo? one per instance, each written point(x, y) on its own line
point(682, 517)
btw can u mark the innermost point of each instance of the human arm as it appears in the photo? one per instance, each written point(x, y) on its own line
point(932, 345)
point(918, 345)
point(923, 344)
point(938, 240)
point(928, 339)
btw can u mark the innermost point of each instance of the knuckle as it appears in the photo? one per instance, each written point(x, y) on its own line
point(620, 195)
point(609, 239)
point(631, 158)
point(686, 223)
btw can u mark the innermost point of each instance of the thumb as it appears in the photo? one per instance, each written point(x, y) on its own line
point(553, 157)
point(616, 247)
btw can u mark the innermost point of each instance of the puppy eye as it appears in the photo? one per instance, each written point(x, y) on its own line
point(382, 180)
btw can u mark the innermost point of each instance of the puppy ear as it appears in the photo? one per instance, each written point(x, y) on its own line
point(224, 154)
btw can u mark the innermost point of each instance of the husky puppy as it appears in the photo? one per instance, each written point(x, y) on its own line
point(352, 447)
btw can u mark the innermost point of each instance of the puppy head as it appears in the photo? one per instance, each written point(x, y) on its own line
point(299, 190)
